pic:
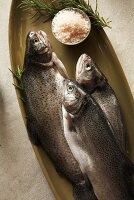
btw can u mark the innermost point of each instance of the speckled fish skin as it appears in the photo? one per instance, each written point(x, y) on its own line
point(42, 85)
point(89, 76)
point(108, 169)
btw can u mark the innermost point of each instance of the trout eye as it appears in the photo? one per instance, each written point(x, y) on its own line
point(36, 40)
point(70, 88)
point(88, 67)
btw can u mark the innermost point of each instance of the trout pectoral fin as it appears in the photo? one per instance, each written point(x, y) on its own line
point(68, 124)
point(59, 66)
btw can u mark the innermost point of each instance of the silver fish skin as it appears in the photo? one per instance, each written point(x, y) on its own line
point(77, 147)
point(94, 82)
point(99, 157)
point(43, 80)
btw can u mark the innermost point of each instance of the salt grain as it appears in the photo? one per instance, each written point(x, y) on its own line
point(71, 26)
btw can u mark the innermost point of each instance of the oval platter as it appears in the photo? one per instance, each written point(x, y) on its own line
point(98, 46)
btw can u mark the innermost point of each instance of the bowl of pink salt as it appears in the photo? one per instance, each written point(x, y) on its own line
point(71, 26)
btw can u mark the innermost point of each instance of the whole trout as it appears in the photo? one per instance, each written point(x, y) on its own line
point(43, 79)
point(95, 147)
point(94, 82)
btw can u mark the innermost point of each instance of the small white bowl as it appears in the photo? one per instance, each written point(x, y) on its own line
point(71, 26)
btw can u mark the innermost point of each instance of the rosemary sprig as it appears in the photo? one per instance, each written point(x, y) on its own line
point(48, 10)
point(19, 85)
point(41, 8)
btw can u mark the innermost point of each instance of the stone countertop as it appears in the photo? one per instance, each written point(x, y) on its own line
point(21, 176)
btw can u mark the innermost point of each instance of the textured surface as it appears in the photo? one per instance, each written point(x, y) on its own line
point(21, 177)
point(121, 35)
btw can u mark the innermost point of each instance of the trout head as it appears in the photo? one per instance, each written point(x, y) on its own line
point(87, 74)
point(38, 48)
point(73, 97)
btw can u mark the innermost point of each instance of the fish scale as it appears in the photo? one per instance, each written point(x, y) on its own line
point(95, 83)
point(45, 105)
point(106, 156)
point(106, 166)
point(42, 86)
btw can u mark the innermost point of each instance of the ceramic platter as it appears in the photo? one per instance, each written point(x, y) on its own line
point(98, 46)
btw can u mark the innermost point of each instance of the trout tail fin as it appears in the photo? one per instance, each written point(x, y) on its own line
point(83, 192)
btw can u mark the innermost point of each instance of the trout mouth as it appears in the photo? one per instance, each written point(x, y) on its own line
point(73, 106)
point(41, 45)
point(85, 80)
point(81, 63)
point(42, 49)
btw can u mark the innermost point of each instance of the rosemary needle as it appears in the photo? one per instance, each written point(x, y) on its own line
point(48, 10)
point(19, 85)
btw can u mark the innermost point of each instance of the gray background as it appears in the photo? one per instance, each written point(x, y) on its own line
point(20, 175)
